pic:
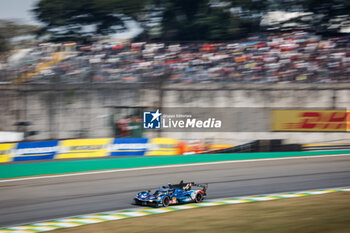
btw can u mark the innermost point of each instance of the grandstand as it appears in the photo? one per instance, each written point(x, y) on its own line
point(294, 57)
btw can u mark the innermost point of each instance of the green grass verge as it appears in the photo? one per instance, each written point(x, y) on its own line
point(325, 213)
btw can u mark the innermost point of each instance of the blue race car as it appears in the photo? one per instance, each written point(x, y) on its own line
point(172, 194)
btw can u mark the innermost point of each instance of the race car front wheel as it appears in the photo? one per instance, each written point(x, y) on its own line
point(198, 198)
point(166, 201)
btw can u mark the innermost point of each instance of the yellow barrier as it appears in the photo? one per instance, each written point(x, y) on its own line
point(323, 144)
point(84, 148)
point(163, 146)
point(5, 152)
point(220, 146)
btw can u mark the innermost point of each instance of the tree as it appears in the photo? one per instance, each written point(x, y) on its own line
point(332, 13)
point(4, 46)
point(198, 20)
point(10, 29)
point(326, 16)
point(64, 18)
point(177, 19)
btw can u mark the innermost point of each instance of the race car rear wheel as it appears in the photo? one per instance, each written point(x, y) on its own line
point(198, 198)
point(166, 201)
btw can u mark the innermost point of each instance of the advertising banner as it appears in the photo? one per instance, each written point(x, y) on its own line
point(163, 146)
point(5, 150)
point(310, 120)
point(83, 148)
point(35, 150)
point(128, 147)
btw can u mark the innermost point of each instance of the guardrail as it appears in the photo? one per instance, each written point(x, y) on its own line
point(274, 145)
point(310, 147)
point(113, 147)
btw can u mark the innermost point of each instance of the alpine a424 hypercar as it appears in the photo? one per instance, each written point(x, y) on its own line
point(172, 194)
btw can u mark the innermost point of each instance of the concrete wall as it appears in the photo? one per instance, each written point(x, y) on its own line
point(262, 96)
point(62, 112)
point(10, 136)
point(59, 111)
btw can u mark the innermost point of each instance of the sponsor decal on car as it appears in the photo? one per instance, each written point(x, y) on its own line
point(173, 200)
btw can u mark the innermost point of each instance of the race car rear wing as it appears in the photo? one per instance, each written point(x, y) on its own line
point(182, 185)
point(203, 186)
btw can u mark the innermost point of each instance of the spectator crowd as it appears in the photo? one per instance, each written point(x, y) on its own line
point(294, 57)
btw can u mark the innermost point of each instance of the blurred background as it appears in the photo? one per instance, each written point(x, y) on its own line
point(89, 68)
point(77, 76)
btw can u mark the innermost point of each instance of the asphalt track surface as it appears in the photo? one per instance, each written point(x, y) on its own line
point(29, 201)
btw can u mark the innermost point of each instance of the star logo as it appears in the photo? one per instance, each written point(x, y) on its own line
point(152, 120)
point(156, 115)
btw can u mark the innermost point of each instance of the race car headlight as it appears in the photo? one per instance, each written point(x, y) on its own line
point(158, 198)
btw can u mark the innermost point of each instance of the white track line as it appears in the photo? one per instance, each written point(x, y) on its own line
point(169, 166)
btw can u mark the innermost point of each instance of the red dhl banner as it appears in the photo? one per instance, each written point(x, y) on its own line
point(310, 120)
